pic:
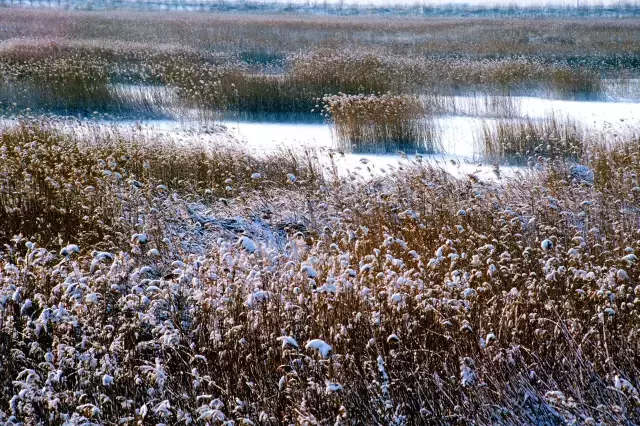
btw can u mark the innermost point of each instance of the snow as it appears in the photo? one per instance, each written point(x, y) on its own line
point(69, 250)
point(328, 288)
point(468, 293)
point(98, 257)
point(624, 385)
point(17, 295)
point(381, 369)
point(622, 275)
point(333, 388)
point(322, 347)
point(582, 173)
point(247, 244)
point(178, 264)
point(308, 269)
point(139, 238)
point(288, 341)
point(467, 374)
point(393, 338)
point(257, 297)
point(546, 244)
point(396, 298)
point(107, 380)
point(92, 298)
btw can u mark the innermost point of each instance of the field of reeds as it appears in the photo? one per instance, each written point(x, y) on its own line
point(69, 62)
point(167, 277)
point(148, 282)
point(520, 142)
point(423, 8)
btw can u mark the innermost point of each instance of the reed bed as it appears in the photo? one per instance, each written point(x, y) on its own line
point(68, 62)
point(146, 279)
point(522, 142)
point(615, 166)
point(380, 123)
point(474, 105)
point(408, 298)
point(61, 179)
point(68, 84)
point(81, 79)
point(611, 42)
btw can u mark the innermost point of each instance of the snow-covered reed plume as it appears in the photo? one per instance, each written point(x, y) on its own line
point(403, 299)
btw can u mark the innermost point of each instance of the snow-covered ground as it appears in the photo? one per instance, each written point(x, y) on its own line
point(457, 132)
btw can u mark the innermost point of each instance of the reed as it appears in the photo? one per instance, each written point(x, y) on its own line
point(62, 179)
point(145, 279)
point(252, 63)
point(522, 142)
point(380, 123)
point(615, 165)
point(410, 298)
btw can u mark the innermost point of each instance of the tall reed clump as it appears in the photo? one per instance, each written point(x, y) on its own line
point(80, 76)
point(616, 167)
point(517, 141)
point(47, 76)
point(381, 123)
point(236, 87)
point(574, 82)
point(343, 71)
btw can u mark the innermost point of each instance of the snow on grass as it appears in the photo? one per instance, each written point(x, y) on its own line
point(288, 341)
point(320, 346)
point(247, 244)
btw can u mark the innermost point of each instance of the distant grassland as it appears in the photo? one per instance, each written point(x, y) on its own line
point(274, 63)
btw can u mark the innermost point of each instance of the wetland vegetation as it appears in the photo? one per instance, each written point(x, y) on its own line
point(184, 277)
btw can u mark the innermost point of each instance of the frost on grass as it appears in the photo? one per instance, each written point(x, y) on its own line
point(319, 346)
point(356, 300)
point(288, 341)
point(247, 244)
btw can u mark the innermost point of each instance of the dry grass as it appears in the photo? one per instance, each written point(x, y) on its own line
point(616, 168)
point(266, 35)
point(443, 300)
point(65, 180)
point(252, 63)
point(149, 280)
point(519, 142)
point(380, 123)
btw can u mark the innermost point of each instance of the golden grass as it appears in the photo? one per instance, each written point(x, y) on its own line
point(380, 123)
point(61, 180)
point(251, 63)
point(204, 275)
point(444, 300)
point(519, 142)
